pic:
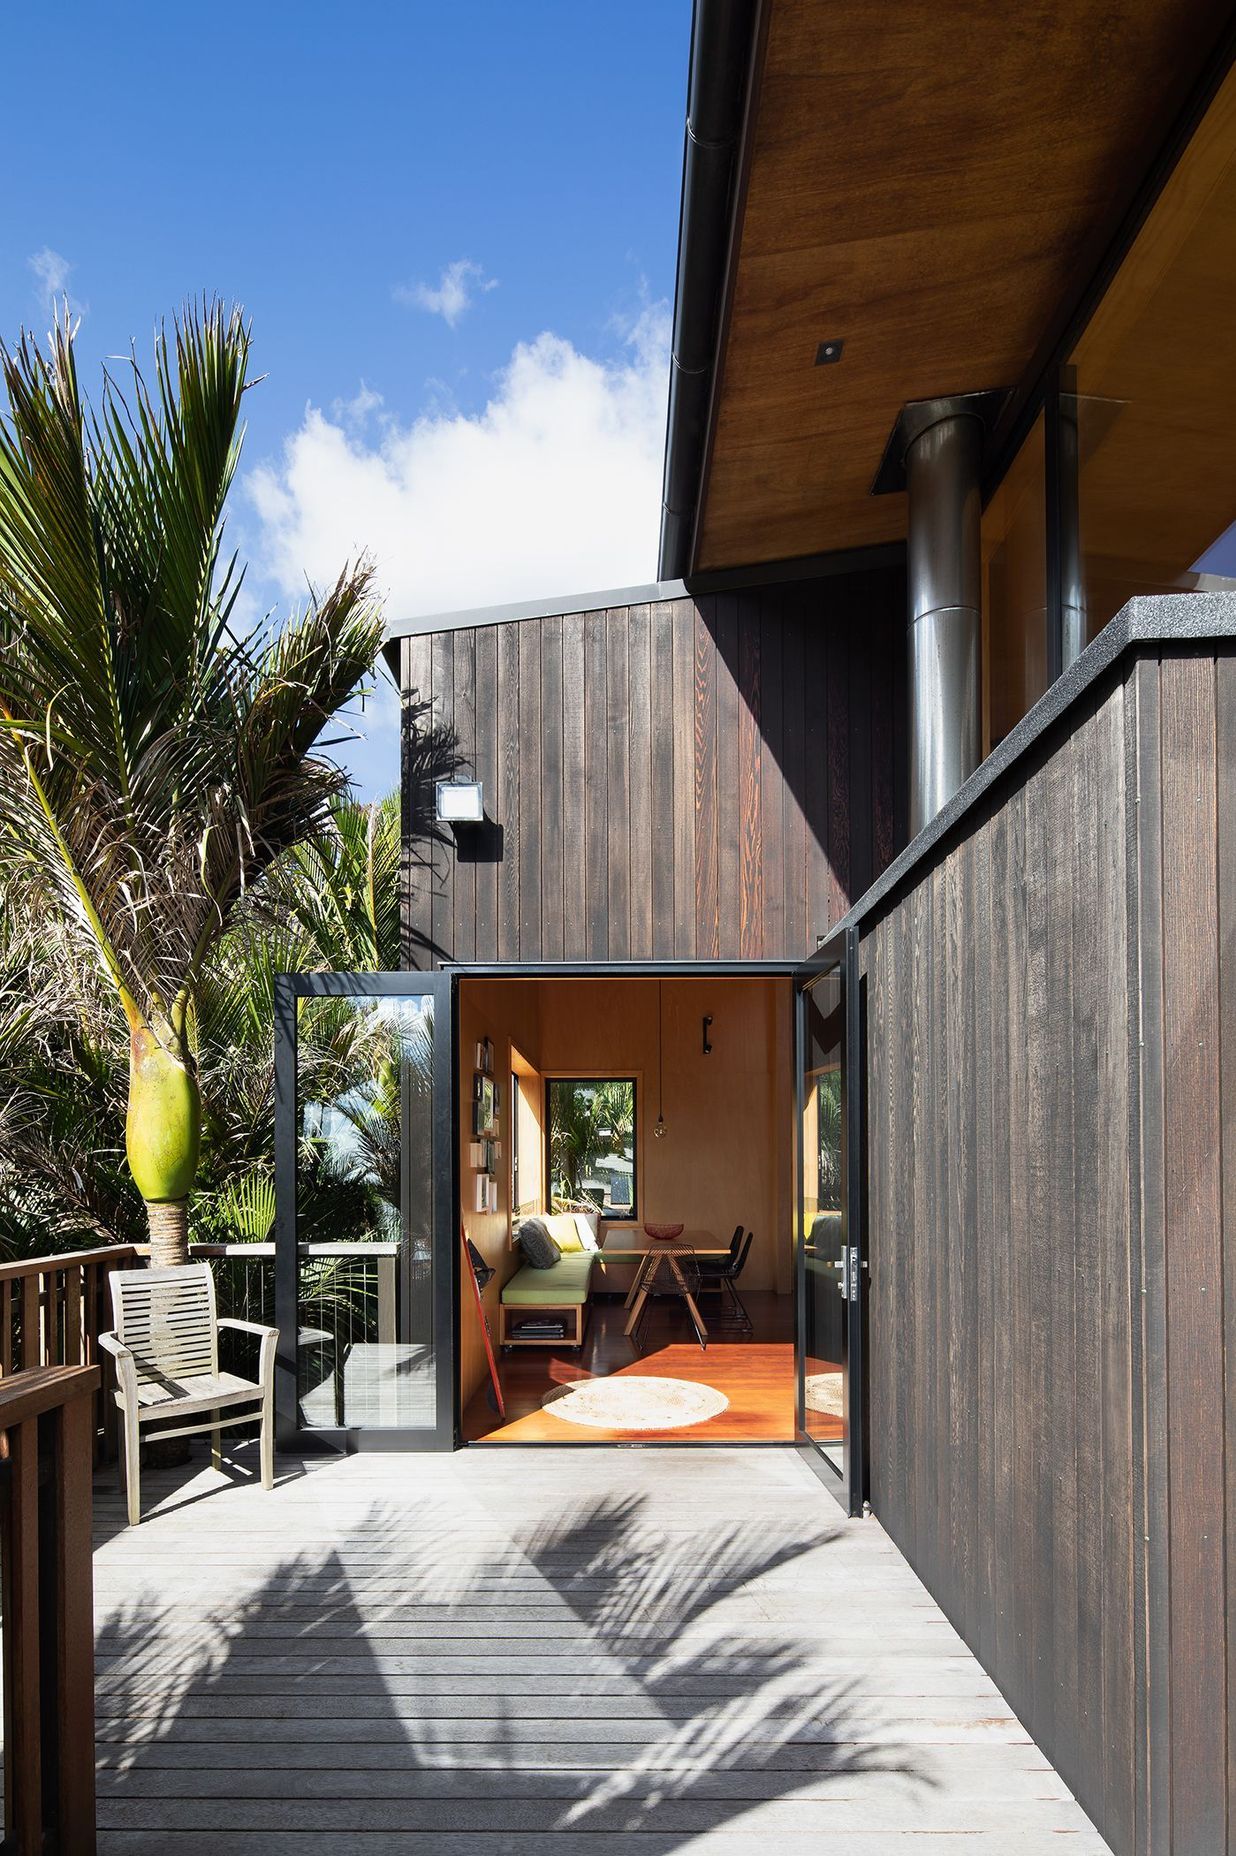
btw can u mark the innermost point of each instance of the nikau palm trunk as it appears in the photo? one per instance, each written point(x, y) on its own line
point(163, 1133)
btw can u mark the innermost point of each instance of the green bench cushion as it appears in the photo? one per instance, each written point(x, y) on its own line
point(565, 1285)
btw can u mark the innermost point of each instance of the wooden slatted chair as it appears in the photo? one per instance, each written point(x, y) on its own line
point(166, 1349)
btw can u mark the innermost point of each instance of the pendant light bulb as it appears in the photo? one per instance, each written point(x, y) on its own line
point(660, 1131)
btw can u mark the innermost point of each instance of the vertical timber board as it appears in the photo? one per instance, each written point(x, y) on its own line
point(575, 815)
point(463, 675)
point(1152, 1694)
point(595, 791)
point(1037, 1464)
point(820, 883)
point(639, 703)
point(920, 1339)
point(414, 863)
point(1068, 884)
point(729, 826)
point(751, 849)
point(684, 778)
point(618, 783)
point(1115, 1139)
point(1225, 791)
point(1006, 980)
point(898, 1163)
point(509, 789)
point(553, 810)
point(442, 906)
point(531, 801)
point(704, 725)
point(861, 621)
point(773, 884)
point(662, 822)
point(1192, 1191)
point(1095, 799)
point(487, 870)
point(844, 647)
point(799, 928)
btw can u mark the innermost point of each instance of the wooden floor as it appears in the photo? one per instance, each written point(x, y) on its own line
point(756, 1375)
point(542, 1653)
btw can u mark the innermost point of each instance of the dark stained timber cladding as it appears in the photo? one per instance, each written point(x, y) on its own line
point(1052, 1159)
point(697, 779)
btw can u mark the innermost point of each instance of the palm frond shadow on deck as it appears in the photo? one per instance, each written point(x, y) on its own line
point(582, 1682)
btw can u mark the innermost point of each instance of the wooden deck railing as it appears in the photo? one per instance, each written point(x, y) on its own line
point(51, 1312)
point(47, 1416)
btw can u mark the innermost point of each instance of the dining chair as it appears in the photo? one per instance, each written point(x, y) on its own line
point(712, 1269)
point(722, 1280)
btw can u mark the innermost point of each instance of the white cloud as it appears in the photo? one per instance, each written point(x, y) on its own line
point(52, 271)
point(356, 412)
point(451, 296)
point(554, 487)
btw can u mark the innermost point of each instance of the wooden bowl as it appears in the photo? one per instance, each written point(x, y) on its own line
point(663, 1232)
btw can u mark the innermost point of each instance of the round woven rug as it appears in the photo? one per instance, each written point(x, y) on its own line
point(822, 1393)
point(635, 1404)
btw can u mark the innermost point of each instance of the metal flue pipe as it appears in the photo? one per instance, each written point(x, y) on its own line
point(942, 468)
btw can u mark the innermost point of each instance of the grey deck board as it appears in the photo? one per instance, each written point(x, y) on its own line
point(596, 1653)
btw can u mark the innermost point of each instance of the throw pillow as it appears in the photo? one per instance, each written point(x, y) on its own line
point(561, 1227)
point(588, 1226)
point(537, 1245)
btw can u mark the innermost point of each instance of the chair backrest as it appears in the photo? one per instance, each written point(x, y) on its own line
point(735, 1241)
point(166, 1318)
point(742, 1256)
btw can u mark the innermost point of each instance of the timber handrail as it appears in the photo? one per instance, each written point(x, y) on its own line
point(52, 1310)
point(46, 1592)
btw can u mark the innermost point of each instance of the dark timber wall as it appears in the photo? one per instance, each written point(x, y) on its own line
point(1051, 1031)
point(699, 778)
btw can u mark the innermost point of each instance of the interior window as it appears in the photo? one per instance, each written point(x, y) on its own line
point(591, 1144)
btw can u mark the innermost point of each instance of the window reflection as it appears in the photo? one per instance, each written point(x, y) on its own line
point(1014, 547)
point(1153, 380)
point(364, 1211)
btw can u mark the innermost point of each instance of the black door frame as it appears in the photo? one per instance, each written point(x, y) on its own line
point(837, 955)
point(289, 989)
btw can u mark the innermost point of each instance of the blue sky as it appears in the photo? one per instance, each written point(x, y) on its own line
point(454, 227)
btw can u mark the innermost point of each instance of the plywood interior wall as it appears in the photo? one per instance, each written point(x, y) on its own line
point(727, 1155)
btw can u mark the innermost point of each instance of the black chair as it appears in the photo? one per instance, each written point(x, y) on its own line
point(712, 1268)
point(720, 1274)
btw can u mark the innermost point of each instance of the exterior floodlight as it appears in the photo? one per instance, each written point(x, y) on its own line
point(460, 802)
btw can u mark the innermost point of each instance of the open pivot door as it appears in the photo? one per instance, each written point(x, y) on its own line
point(366, 1245)
point(828, 1221)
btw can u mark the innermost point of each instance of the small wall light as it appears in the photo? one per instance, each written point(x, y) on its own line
point(460, 802)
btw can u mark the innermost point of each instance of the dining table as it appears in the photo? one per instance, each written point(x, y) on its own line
point(657, 1256)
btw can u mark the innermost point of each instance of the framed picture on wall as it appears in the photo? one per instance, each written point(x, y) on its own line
point(484, 1107)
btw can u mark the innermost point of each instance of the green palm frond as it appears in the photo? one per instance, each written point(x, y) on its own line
point(152, 762)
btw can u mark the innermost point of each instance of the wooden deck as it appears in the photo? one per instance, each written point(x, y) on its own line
point(512, 1652)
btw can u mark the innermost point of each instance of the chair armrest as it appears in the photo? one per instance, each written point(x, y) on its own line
point(266, 1355)
point(126, 1371)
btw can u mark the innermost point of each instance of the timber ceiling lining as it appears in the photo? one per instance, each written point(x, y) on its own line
point(926, 183)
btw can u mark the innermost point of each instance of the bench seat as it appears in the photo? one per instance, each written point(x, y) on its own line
point(564, 1286)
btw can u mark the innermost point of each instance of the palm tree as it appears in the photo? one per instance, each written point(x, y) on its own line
point(152, 761)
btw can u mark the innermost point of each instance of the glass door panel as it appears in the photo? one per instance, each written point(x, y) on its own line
point(365, 1200)
point(828, 1274)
